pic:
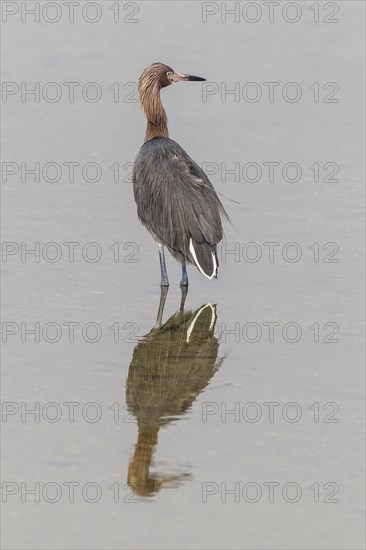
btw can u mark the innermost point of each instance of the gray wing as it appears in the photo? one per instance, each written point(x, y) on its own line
point(175, 199)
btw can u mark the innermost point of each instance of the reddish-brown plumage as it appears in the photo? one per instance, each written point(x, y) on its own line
point(151, 81)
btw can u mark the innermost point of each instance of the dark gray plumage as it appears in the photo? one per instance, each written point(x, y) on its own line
point(177, 202)
point(175, 199)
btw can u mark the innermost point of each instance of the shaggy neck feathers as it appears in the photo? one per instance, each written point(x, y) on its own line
point(157, 121)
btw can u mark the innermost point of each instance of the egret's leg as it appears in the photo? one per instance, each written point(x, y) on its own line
point(163, 295)
point(184, 281)
point(164, 274)
point(184, 289)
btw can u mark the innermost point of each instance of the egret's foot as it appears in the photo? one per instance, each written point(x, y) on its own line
point(184, 281)
point(163, 295)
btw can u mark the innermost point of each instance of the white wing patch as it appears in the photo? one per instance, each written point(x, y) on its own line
point(191, 326)
point(193, 252)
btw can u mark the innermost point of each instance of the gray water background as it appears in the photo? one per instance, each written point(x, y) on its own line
point(105, 292)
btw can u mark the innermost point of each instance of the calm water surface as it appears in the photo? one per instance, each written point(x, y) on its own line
point(187, 431)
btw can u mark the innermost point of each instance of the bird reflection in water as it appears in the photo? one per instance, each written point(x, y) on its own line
point(170, 367)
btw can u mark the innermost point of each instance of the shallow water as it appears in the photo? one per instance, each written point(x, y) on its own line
point(235, 425)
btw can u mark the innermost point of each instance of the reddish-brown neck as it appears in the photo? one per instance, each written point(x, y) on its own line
point(157, 122)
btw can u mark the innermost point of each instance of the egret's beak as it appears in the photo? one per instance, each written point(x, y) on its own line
point(176, 77)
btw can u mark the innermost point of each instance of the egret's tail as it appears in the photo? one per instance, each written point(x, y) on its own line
point(205, 258)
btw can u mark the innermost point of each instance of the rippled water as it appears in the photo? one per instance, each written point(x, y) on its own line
point(236, 419)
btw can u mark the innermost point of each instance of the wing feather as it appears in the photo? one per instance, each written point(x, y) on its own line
point(175, 199)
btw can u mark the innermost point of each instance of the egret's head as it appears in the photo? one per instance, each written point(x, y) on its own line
point(160, 76)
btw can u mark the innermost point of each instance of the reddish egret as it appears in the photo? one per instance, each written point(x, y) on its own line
point(175, 199)
point(169, 369)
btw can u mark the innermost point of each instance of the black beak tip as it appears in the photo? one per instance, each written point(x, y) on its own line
point(192, 78)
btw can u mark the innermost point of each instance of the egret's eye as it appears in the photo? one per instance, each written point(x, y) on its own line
point(169, 74)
